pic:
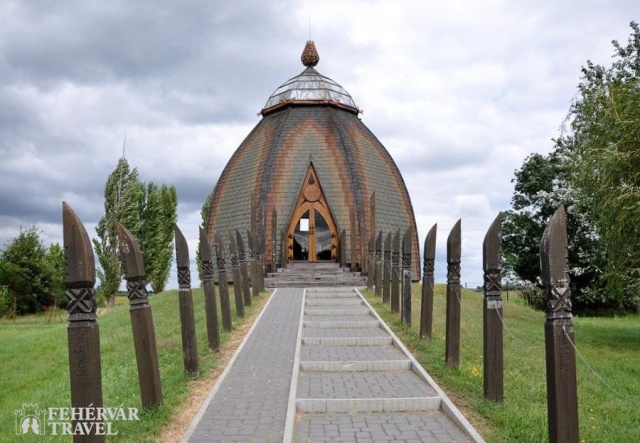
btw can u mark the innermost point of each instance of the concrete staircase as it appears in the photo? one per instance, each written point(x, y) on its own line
point(357, 383)
point(313, 274)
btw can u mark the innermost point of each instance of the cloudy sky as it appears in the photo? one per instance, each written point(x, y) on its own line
point(459, 92)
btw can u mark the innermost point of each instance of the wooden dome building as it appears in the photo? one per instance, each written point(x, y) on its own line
point(305, 177)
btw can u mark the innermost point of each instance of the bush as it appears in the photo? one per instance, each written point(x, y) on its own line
point(533, 296)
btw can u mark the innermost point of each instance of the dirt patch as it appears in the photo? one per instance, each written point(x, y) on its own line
point(199, 389)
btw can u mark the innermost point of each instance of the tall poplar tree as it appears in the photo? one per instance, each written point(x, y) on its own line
point(156, 237)
point(123, 202)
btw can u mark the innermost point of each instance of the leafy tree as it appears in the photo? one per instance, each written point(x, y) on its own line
point(30, 273)
point(55, 260)
point(204, 213)
point(123, 202)
point(605, 146)
point(541, 185)
point(156, 237)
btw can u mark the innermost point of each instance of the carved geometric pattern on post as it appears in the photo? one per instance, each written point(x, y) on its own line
point(406, 260)
point(82, 305)
point(387, 256)
point(429, 267)
point(395, 259)
point(493, 282)
point(453, 272)
point(207, 269)
point(78, 361)
point(184, 277)
point(220, 264)
point(242, 257)
point(558, 299)
point(137, 291)
point(234, 261)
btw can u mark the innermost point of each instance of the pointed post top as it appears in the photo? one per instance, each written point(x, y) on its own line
point(430, 243)
point(310, 57)
point(239, 242)
point(232, 243)
point(379, 242)
point(396, 242)
point(132, 263)
point(553, 249)
point(79, 262)
point(251, 241)
point(182, 250)
point(205, 247)
point(219, 245)
point(454, 243)
point(406, 242)
point(387, 242)
point(492, 246)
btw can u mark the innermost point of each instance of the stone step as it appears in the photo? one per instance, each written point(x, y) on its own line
point(331, 290)
point(311, 283)
point(355, 405)
point(316, 295)
point(355, 366)
point(336, 324)
point(347, 341)
point(335, 302)
point(337, 312)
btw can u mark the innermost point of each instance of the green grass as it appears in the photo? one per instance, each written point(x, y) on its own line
point(34, 364)
point(610, 345)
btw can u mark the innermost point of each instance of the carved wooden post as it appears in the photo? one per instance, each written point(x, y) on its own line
point(378, 265)
point(452, 346)
point(352, 240)
point(562, 397)
point(261, 257)
point(187, 319)
point(242, 258)
point(492, 312)
point(370, 262)
point(210, 304)
point(274, 240)
point(283, 249)
point(406, 277)
point(429, 257)
point(144, 336)
point(223, 286)
point(386, 269)
point(343, 249)
point(253, 264)
point(82, 333)
point(395, 273)
point(237, 278)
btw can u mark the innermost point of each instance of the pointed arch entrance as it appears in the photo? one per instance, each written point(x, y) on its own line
point(312, 233)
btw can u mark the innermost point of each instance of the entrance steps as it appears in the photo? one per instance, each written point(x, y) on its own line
point(356, 382)
point(314, 274)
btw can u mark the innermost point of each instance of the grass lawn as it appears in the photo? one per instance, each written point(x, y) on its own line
point(610, 345)
point(34, 364)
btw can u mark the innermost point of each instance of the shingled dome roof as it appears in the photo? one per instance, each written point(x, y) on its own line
point(307, 172)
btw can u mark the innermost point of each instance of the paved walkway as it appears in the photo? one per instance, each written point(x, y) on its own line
point(341, 375)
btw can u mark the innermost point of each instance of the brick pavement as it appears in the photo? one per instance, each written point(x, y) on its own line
point(352, 380)
point(251, 402)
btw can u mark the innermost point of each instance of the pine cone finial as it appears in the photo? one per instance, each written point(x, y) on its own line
point(310, 56)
